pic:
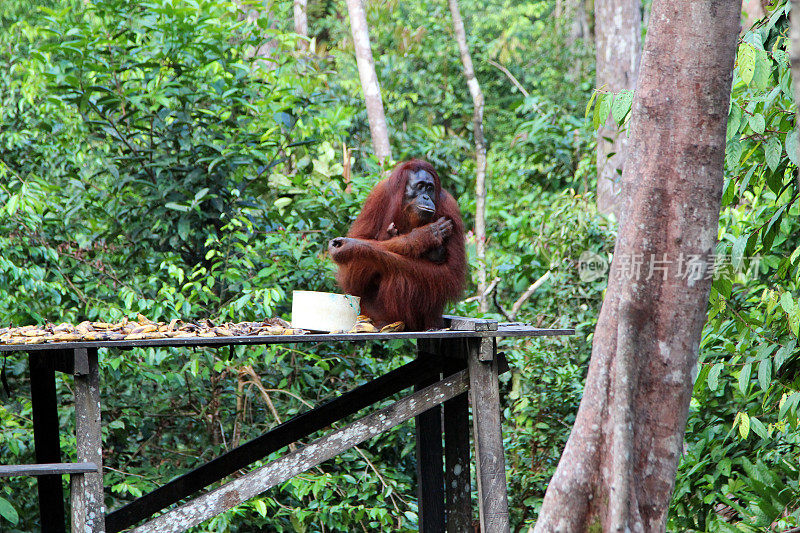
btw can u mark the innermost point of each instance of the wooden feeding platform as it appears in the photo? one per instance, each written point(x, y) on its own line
point(450, 363)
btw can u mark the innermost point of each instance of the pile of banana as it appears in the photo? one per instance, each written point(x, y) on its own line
point(141, 328)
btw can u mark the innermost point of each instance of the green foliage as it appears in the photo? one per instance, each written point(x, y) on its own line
point(742, 437)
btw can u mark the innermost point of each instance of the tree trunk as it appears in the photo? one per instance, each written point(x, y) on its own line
point(301, 22)
point(618, 468)
point(618, 29)
point(369, 81)
point(480, 152)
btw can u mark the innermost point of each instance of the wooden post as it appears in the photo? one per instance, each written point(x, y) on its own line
point(430, 475)
point(458, 495)
point(88, 505)
point(490, 462)
point(46, 440)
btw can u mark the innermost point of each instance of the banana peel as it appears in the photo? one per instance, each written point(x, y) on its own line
point(141, 328)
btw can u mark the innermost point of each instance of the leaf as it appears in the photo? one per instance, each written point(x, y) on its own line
point(787, 303)
point(591, 101)
point(747, 62)
point(761, 73)
point(733, 153)
point(8, 512)
point(601, 109)
point(757, 123)
point(730, 191)
point(764, 373)
point(176, 207)
point(744, 425)
point(282, 202)
point(737, 251)
point(744, 377)
point(183, 228)
point(713, 376)
point(12, 205)
point(759, 428)
point(702, 377)
point(734, 121)
point(788, 404)
point(792, 146)
point(772, 152)
point(783, 354)
point(621, 105)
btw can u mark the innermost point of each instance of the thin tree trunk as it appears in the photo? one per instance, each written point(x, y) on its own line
point(618, 29)
point(369, 81)
point(480, 151)
point(301, 22)
point(618, 469)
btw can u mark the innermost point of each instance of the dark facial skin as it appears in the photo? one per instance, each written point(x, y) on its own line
point(418, 197)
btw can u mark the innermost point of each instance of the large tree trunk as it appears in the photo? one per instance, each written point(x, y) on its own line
point(369, 81)
point(301, 22)
point(618, 468)
point(480, 152)
point(618, 30)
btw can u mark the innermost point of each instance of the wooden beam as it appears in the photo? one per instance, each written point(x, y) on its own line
point(47, 440)
point(460, 323)
point(86, 491)
point(280, 470)
point(458, 490)
point(47, 469)
point(490, 461)
point(430, 466)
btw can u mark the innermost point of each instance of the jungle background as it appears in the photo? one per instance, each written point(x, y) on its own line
point(151, 162)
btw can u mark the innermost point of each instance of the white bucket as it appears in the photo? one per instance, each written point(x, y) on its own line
point(324, 311)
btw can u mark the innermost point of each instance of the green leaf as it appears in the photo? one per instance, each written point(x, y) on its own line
point(788, 404)
point(602, 107)
point(591, 101)
point(744, 377)
point(282, 202)
point(758, 428)
point(176, 207)
point(783, 353)
point(772, 152)
point(747, 62)
point(787, 303)
point(702, 377)
point(761, 73)
point(621, 105)
point(713, 376)
point(730, 192)
point(764, 373)
point(734, 121)
point(12, 205)
point(737, 251)
point(792, 146)
point(733, 153)
point(744, 425)
point(757, 123)
point(8, 512)
point(183, 228)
